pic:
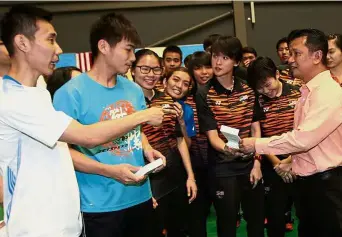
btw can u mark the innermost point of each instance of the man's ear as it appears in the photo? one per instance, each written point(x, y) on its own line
point(103, 46)
point(22, 43)
point(317, 57)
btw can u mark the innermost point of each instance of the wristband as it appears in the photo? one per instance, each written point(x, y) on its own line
point(258, 157)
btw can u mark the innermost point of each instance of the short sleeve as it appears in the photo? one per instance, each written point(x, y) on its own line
point(66, 100)
point(141, 100)
point(240, 72)
point(258, 113)
point(206, 117)
point(31, 112)
point(189, 120)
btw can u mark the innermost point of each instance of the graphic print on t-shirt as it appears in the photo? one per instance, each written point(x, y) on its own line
point(12, 172)
point(122, 146)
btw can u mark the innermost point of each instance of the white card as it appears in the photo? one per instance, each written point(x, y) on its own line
point(232, 135)
point(150, 167)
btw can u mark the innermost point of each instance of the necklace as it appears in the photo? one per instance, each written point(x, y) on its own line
point(232, 87)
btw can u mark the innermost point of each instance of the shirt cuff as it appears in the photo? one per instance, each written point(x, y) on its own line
point(261, 145)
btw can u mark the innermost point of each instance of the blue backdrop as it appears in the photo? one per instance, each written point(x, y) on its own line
point(69, 59)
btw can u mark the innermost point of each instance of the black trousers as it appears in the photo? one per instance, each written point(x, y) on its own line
point(134, 221)
point(172, 212)
point(228, 193)
point(288, 209)
point(277, 194)
point(199, 209)
point(318, 200)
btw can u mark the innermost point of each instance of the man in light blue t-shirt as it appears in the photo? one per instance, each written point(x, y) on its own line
point(111, 207)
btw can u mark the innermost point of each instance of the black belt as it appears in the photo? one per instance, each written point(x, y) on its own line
point(322, 175)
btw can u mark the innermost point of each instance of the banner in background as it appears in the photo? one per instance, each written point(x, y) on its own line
point(84, 62)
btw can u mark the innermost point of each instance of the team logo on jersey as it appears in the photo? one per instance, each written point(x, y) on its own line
point(218, 102)
point(122, 146)
point(243, 98)
point(166, 106)
point(266, 109)
point(292, 103)
point(219, 194)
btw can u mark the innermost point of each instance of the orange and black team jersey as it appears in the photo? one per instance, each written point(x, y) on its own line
point(164, 139)
point(238, 109)
point(279, 114)
point(286, 75)
point(199, 143)
point(160, 86)
point(279, 111)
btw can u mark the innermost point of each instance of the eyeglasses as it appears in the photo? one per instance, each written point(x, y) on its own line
point(146, 70)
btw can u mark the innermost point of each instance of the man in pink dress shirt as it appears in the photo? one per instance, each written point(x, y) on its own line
point(315, 142)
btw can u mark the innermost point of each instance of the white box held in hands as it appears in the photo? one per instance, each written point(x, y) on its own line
point(149, 168)
point(232, 135)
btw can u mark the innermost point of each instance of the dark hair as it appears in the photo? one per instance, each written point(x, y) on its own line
point(337, 38)
point(173, 49)
point(249, 50)
point(112, 28)
point(161, 61)
point(229, 46)
point(259, 70)
point(59, 77)
point(141, 53)
point(199, 59)
point(187, 59)
point(315, 40)
point(281, 41)
point(21, 19)
point(178, 69)
point(207, 42)
point(181, 69)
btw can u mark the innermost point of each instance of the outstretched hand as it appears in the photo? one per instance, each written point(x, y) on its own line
point(247, 145)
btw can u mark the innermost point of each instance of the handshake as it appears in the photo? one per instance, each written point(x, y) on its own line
point(244, 149)
point(235, 146)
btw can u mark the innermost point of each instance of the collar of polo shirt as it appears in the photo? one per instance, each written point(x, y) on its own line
point(221, 90)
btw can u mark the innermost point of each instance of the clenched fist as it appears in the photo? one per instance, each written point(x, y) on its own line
point(154, 116)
